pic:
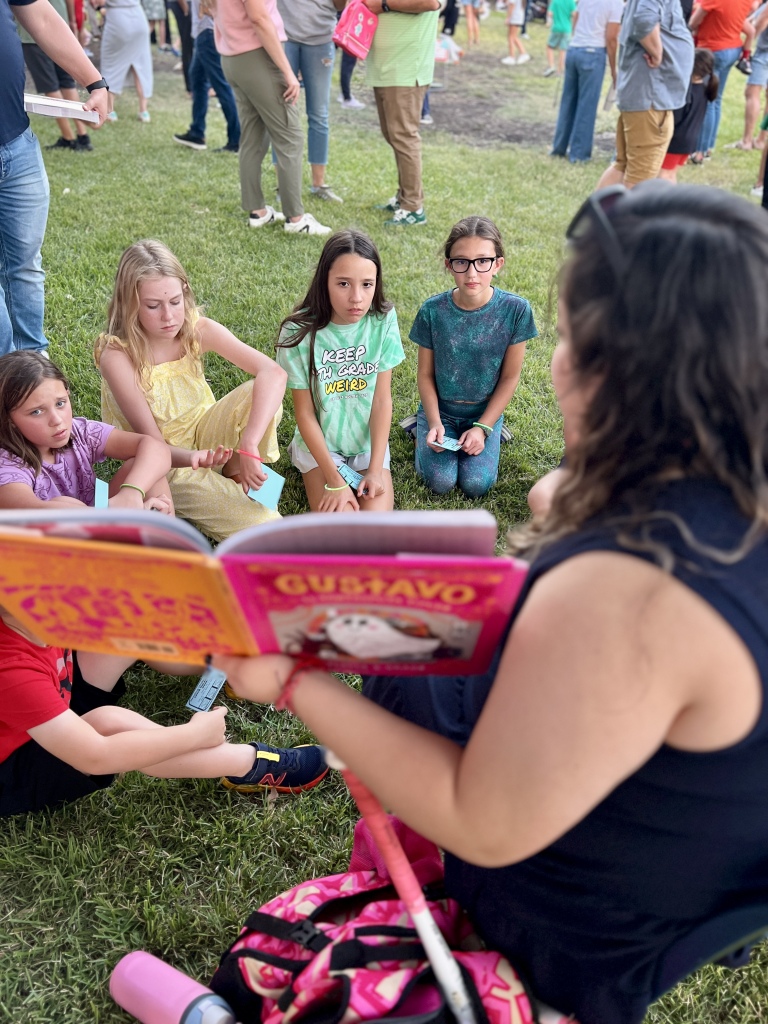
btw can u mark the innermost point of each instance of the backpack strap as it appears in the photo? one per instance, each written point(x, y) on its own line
point(353, 954)
point(303, 933)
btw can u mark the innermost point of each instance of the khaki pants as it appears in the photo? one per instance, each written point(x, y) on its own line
point(258, 86)
point(642, 138)
point(399, 108)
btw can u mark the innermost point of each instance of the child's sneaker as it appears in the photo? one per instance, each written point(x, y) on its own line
point(509, 61)
point(548, 72)
point(524, 57)
point(408, 424)
point(351, 104)
point(145, 117)
point(294, 770)
point(406, 218)
point(272, 216)
point(307, 225)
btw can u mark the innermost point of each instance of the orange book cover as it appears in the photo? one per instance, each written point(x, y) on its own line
point(121, 598)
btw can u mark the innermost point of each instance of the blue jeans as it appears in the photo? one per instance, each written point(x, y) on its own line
point(584, 73)
point(204, 72)
point(442, 471)
point(23, 214)
point(315, 64)
point(724, 61)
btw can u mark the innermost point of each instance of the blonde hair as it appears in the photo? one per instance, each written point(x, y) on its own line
point(141, 262)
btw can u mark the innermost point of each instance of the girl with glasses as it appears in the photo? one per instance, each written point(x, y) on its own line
point(471, 345)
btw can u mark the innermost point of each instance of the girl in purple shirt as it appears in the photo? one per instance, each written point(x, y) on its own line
point(47, 455)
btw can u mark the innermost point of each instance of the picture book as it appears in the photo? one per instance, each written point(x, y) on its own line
point(390, 592)
point(50, 107)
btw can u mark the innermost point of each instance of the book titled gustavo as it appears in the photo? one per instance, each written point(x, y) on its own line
point(394, 592)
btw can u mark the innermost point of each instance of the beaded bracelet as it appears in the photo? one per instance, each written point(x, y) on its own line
point(485, 429)
point(342, 488)
point(133, 487)
point(283, 701)
point(241, 451)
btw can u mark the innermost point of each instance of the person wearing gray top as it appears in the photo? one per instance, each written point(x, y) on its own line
point(309, 25)
point(654, 69)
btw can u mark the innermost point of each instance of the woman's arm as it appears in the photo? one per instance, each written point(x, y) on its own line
point(474, 439)
point(73, 740)
point(267, 33)
point(151, 461)
point(269, 382)
point(608, 659)
point(425, 379)
point(697, 16)
point(380, 423)
point(312, 435)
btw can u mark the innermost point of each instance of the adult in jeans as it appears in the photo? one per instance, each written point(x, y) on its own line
point(654, 71)
point(249, 37)
point(400, 67)
point(757, 80)
point(205, 72)
point(309, 26)
point(718, 26)
point(23, 182)
point(595, 36)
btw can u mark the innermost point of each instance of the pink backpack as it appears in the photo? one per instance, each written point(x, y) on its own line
point(342, 949)
point(355, 29)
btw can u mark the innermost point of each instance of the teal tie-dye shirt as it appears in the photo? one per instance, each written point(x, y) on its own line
point(469, 345)
point(348, 358)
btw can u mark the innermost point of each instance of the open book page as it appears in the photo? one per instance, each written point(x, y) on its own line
point(471, 532)
point(50, 107)
point(120, 526)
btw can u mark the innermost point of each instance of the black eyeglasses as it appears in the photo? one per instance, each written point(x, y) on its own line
point(596, 212)
point(482, 264)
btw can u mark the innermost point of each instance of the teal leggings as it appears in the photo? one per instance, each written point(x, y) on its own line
point(442, 471)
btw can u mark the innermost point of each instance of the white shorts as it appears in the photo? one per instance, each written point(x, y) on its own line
point(304, 462)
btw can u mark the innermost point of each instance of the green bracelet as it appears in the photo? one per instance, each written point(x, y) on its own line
point(134, 488)
point(486, 429)
point(342, 488)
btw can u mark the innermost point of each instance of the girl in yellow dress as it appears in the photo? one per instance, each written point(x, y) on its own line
point(150, 358)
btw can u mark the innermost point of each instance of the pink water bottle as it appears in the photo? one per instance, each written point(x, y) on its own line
point(156, 993)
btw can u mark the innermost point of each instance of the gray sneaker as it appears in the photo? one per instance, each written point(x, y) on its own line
point(325, 192)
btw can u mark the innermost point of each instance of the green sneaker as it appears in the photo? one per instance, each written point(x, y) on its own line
point(391, 205)
point(405, 218)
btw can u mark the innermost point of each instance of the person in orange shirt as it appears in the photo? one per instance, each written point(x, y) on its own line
point(719, 26)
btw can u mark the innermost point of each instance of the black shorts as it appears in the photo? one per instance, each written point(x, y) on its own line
point(31, 779)
point(47, 76)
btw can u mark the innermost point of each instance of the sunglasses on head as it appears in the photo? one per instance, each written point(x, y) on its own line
point(595, 214)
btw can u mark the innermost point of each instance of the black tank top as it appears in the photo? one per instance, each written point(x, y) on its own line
point(682, 840)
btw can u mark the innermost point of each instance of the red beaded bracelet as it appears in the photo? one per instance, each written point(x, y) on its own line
point(283, 701)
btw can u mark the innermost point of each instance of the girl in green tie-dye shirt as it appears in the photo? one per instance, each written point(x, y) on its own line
point(339, 347)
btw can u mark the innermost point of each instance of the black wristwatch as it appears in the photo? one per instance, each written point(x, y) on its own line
point(385, 8)
point(101, 84)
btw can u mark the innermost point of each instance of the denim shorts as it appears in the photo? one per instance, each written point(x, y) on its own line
point(759, 74)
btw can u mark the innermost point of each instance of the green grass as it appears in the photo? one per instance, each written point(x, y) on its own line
point(173, 867)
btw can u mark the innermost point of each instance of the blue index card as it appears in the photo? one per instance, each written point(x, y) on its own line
point(101, 497)
point(207, 690)
point(451, 444)
point(352, 477)
point(269, 493)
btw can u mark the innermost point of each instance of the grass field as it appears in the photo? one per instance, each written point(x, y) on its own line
point(173, 867)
